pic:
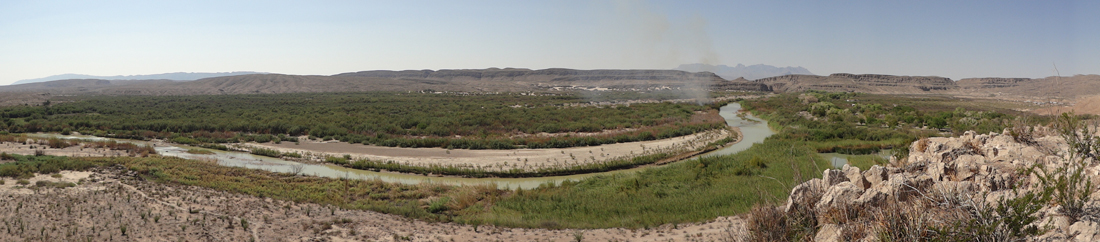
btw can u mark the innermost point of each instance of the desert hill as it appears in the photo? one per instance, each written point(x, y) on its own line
point(482, 80)
point(1065, 88)
point(1050, 87)
point(843, 82)
point(752, 72)
point(175, 76)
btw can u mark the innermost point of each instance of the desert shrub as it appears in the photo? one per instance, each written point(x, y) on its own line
point(292, 154)
point(199, 152)
point(921, 145)
point(266, 152)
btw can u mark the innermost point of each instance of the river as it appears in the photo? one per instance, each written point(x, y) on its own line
point(753, 129)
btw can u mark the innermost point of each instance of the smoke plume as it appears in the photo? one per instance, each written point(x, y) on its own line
point(669, 43)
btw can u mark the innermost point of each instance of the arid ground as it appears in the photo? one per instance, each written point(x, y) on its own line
point(113, 205)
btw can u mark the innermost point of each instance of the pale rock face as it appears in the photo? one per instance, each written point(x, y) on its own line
point(936, 171)
point(802, 192)
point(871, 198)
point(855, 176)
point(829, 232)
point(839, 196)
point(1085, 230)
point(875, 175)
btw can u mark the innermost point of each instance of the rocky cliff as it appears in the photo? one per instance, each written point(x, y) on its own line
point(975, 186)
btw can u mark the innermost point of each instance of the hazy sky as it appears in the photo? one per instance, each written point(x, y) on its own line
point(955, 39)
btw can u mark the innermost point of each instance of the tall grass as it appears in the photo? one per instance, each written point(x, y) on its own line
point(689, 191)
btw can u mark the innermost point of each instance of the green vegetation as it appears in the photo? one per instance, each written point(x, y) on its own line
point(855, 123)
point(25, 166)
point(687, 191)
point(274, 153)
point(199, 151)
point(386, 119)
point(49, 184)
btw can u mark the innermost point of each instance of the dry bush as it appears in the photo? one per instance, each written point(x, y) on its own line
point(974, 147)
point(483, 195)
point(922, 145)
point(1023, 130)
point(770, 223)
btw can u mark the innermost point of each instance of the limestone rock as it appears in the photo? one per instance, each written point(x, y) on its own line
point(829, 232)
point(855, 176)
point(840, 195)
point(871, 198)
point(805, 194)
point(1085, 231)
point(875, 175)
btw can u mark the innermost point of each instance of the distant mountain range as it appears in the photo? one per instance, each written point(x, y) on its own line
point(752, 72)
point(175, 76)
point(557, 79)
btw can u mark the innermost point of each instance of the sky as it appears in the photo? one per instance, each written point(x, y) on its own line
point(955, 39)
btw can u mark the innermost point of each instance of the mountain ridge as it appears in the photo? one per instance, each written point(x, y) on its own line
point(175, 76)
point(752, 72)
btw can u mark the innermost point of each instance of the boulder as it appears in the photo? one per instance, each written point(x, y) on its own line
point(904, 186)
point(875, 175)
point(1085, 231)
point(840, 195)
point(871, 198)
point(805, 194)
point(855, 176)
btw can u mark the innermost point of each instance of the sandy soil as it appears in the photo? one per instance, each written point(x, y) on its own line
point(497, 159)
point(109, 199)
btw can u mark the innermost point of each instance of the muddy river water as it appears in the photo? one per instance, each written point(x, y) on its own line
point(754, 130)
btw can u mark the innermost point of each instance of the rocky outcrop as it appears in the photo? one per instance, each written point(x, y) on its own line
point(946, 177)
